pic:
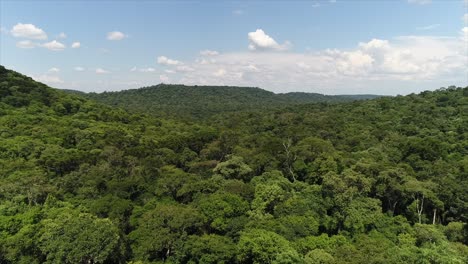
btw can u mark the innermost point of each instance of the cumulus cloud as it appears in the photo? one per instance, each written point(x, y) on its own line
point(76, 45)
point(420, 2)
point(382, 66)
point(116, 35)
point(29, 31)
point(25, 44)
point(54, 46)
point(133, 69)
point(352, 63)
point(205, 60)
point(54, 69)
point(209, 53)
point(397, 62)
point(464, 34)
point(259, 40)
point(375, 44)
point(166, 61)
point(101, 71)
point(79, 69)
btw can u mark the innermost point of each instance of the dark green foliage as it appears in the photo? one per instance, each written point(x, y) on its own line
point(376, 181)
point(200, 102)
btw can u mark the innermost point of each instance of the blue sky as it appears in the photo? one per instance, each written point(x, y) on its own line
point(331, 47)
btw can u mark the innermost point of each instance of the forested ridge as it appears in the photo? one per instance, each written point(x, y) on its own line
point(200, 102)
point(374, 181)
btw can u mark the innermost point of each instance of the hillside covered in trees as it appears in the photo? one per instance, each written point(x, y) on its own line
point(200, 102)
point(374, 181)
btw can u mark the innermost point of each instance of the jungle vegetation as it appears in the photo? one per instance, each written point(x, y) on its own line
point(370, 181)
point(200, 102)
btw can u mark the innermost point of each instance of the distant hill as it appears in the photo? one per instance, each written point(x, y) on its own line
point(204, 101)
point(301, 97)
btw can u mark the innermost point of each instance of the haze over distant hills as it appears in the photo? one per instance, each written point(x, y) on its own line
point(203, 101)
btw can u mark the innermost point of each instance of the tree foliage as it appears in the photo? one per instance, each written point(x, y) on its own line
point(375, 181)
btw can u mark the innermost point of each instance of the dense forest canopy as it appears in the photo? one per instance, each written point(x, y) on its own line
point(375, 181)
point(200, 102)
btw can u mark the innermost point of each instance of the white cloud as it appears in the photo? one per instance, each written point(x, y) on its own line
point(464, 34)
point(48, 79)
point(380, 66)
point(465, 19)
point(164, 78)
point(374, 44)
point(428, 27)
point(220, 73)
point(166, 61)
point(101, 71)
point(54, 69)
point(25, 44)
point(205, 60)
point(148, 70)
point(315, 5)
point(116, 35)
point(420, 2)
point(29, 31)
point(54, 46)
point(252, 68)
point(76, 45)
point(184, 68)
point(352, 63)
point(303, 65)
point(62, 35)
point(258, 40)
point(209, 53)
point(79, 69)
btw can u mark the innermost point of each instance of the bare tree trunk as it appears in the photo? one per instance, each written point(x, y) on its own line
point(419, 209)
point(289, 158)
point(393, 207)
point(434, 218)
